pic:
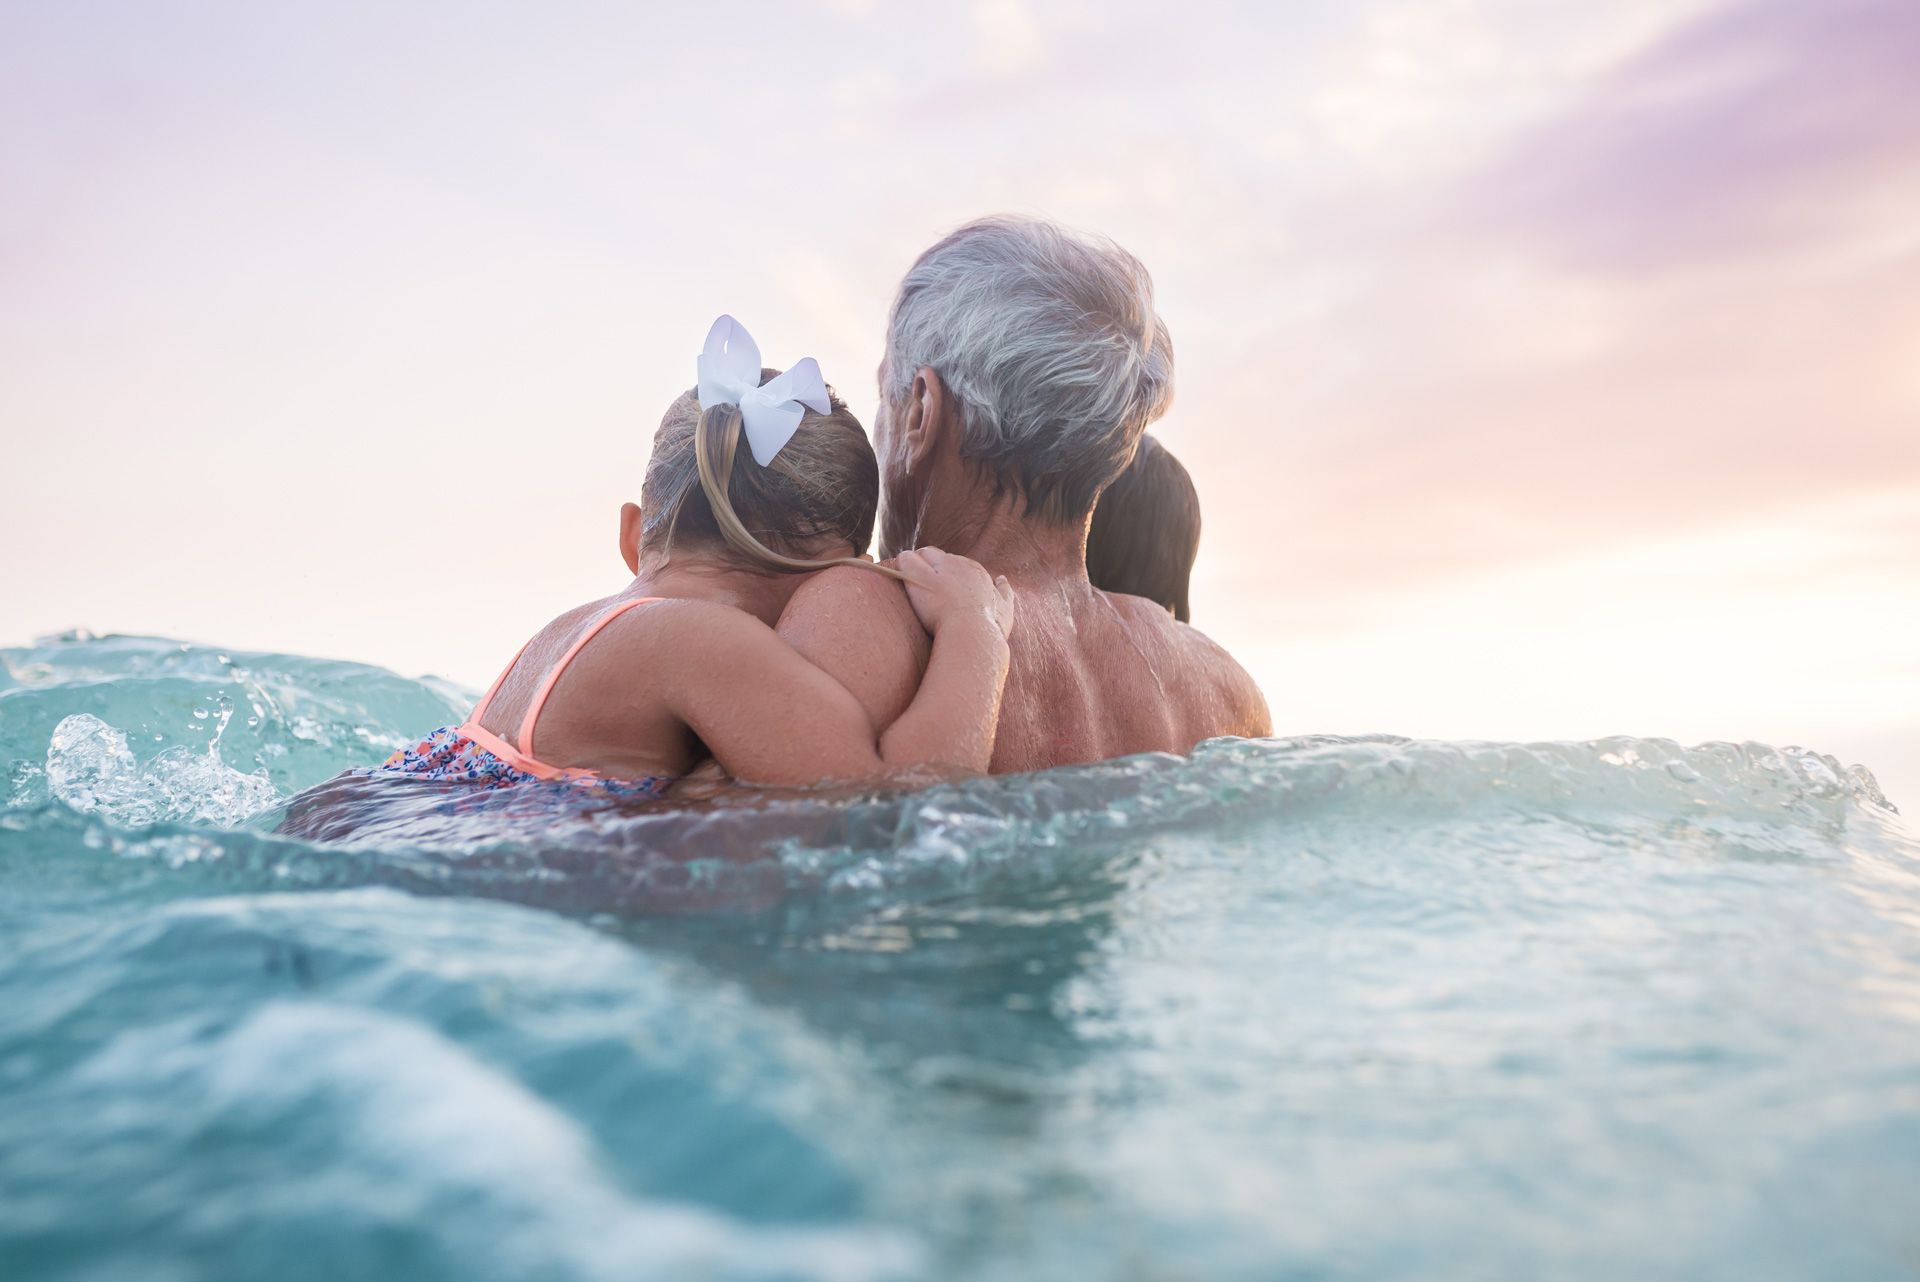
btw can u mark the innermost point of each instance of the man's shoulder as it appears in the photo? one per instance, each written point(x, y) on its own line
point(859, 628)
point(847, 596)
point(1154, 628)
point(848, 607)
point(1218, 694)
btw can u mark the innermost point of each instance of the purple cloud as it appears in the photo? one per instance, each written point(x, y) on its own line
point(1741, 131)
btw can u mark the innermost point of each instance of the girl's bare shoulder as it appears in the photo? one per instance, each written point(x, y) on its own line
point(691, 629)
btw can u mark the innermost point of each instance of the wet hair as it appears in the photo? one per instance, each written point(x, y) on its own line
point(703, 486)
point(1050, 345)
point(1146, 531)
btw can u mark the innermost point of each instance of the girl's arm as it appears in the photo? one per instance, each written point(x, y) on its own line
point(768, 716)
point(955, 712)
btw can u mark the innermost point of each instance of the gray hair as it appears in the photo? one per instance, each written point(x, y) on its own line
point(1049, 342)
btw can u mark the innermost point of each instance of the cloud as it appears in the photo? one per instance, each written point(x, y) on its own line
point(1472, 299)
point(1010, 41)
point(1740, 133)
point(1685, 297)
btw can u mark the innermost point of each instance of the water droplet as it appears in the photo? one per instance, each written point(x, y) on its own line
point(200, 714)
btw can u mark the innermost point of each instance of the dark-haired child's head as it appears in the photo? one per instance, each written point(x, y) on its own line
point(1146, 531)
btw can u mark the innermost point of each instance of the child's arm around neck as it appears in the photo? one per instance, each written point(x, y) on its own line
point(770, 717)
point(954, 714)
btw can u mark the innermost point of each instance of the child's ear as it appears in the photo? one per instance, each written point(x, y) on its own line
point(630, 536)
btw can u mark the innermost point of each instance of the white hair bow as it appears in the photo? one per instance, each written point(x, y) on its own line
point(730, 375)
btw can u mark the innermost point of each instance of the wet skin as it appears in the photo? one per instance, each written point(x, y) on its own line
point(1093, 674)
point(702, 673)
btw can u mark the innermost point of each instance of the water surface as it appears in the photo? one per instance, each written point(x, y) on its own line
point(1297, 1008)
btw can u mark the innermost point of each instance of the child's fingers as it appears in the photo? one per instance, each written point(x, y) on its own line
point(919, 575)
point(939, 580)
point(1003, 606)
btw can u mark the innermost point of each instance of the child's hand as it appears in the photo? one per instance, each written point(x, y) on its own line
point(942, 586)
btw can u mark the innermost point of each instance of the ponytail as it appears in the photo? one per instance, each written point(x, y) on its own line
point(716, 444)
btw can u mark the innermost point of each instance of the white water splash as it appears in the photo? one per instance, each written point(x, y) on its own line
point(91, 769)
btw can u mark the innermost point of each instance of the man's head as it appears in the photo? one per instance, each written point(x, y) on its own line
point(1049, 350)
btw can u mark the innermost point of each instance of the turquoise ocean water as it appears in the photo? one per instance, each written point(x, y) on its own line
point(1305, 1008)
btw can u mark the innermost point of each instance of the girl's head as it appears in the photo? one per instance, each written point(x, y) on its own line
point(811, 507)
point(1145, 531)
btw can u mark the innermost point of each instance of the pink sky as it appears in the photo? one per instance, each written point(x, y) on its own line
point(1547, 369)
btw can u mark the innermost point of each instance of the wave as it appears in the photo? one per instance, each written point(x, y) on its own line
point(1568, 1009)
point(156, 729)
point(175, 705)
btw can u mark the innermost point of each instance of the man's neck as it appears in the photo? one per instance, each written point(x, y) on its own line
point(996, 531)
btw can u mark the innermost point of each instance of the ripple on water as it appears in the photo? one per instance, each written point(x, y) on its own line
point(1376, 1008)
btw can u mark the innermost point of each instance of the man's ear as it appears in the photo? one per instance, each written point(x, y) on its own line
point(630, 536)
point(930, 417)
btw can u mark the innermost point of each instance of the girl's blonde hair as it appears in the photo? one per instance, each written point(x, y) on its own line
point(824, 484)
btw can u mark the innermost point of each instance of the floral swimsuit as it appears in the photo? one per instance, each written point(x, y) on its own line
point(470, 753)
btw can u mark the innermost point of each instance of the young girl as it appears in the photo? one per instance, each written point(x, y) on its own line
point(630, 692)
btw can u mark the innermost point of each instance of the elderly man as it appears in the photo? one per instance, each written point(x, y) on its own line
point(1023, 363)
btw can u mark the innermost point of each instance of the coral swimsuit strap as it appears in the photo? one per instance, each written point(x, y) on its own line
point(514, 756)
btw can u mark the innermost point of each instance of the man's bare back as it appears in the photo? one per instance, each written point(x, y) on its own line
point(1094, 675)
